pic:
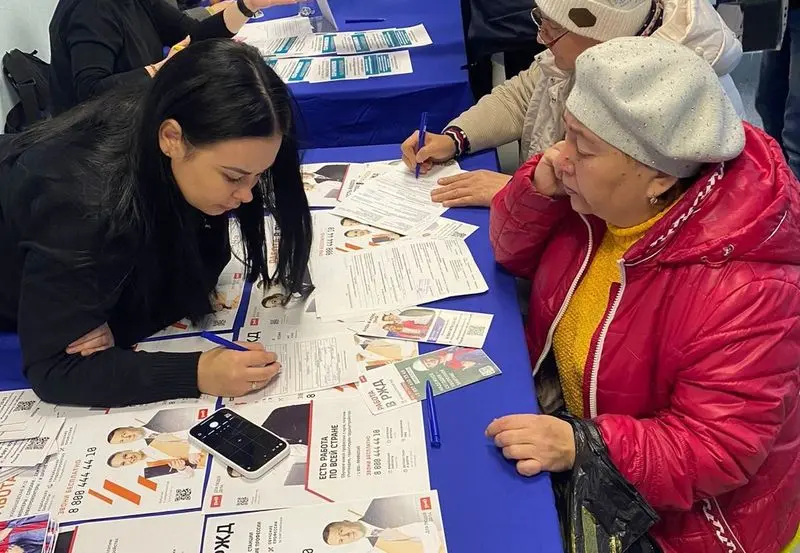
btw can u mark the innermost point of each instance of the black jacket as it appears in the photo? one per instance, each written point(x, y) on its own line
point(62, 277)
point(96, 45)
point(500, 25)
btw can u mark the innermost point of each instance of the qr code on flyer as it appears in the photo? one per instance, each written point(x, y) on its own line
point(24, 406)
point(183, 494)
point(38, 443)
point(242, 501)
point(475, 330)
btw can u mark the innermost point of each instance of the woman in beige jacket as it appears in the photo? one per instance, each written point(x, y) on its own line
point(529, 107)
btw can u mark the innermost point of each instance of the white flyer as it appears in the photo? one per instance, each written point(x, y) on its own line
point(398, 275)
point(337, 235)
point(167, 533)
point(328, 460)
point(323, 181)
point(425, 324)
point(33, 451)
point(368, 171)
point(225, 302)
point(410, 523)
point(447, 228)
point(113, 466)
point(397, 201)
point(291, 70)
point(341, 68)
point(262, 32)
point(361, 42)
point(17, 407)
point(309, 365)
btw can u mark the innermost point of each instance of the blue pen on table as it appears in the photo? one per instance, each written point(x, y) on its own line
point(365, 20)
point(423, 128)
point(433, 420)
point(220, 341)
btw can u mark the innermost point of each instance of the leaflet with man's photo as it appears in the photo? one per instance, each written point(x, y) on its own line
point(164, 533)
point(425, 324)
point(35, 533)
point(113, 466)
point(323, 181)
point(397, 275)
point(403, 383)
point(327, 461)
point(409, 523)
point(339, 235)
point(225, 302)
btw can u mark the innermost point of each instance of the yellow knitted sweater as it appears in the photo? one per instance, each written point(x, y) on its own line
point(585, 311)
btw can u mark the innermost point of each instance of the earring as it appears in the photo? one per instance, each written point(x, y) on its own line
point(653, 200)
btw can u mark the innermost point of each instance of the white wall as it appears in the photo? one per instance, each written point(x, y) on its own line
point(23, 25)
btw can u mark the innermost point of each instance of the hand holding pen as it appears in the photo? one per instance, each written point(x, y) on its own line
point(236, 368)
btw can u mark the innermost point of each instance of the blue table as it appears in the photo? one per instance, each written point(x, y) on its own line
point(487, 507)
point(386, 110)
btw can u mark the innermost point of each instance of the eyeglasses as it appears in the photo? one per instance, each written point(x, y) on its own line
point(547, 26)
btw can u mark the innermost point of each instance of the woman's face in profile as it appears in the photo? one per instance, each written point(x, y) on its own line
point(219, 177)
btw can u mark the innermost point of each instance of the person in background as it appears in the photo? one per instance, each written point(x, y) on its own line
point(778, 94)
point(115, 216)
point(661, 240)
point(96, 45)
point(196, 11)
point(529, 107)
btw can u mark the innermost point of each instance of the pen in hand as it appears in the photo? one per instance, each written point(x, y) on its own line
point(423, 129)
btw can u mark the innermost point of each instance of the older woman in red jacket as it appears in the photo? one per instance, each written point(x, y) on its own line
point(662, 241)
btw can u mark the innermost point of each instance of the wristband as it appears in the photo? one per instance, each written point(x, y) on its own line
point(459, 138)
point(244, 9)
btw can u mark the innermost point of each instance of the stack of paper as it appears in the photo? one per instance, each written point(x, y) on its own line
point(29, 432)
point(341, 68)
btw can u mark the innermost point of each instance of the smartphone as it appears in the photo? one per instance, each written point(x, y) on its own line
point(247, 448)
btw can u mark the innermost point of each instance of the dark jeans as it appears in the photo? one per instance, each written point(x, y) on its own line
point(778, 96)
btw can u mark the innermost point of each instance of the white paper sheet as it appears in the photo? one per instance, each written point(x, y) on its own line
point(398, 275)
point(424, 324)
point(447, 228)
point(323, 181)
point(361, 42)
point(31, 452)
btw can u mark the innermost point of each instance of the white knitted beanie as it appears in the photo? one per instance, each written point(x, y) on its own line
point(658, 102)
point(598, 19)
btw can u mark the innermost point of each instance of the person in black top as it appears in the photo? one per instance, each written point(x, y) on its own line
point(96, 45)
point(116, 213)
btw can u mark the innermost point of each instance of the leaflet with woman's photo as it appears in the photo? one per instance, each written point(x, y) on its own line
point(225, 300)
point(328, 460)
point(398, 275)
point(35, 533)
point(339, 235)
point(400, 384)
point(113, 466)
point(409, 523)
point(165, 533)
point(323, 181)
point(424, 324)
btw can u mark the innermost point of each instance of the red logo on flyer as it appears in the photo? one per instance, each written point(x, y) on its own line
point(425, 503)
point(362, 379)
point(237, 276)
point(202, 413)
point(254, 321)
point(216, 500)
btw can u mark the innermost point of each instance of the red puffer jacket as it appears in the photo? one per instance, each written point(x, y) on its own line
point(694, 374)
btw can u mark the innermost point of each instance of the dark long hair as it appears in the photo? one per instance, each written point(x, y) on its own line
point(216, 90)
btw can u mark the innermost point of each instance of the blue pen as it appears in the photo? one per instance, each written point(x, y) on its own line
point(433, 420)
point(220, 341)
point(367, 20)
point(423, 128)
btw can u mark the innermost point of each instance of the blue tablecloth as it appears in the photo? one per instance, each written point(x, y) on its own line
point(487, 507)
point(385, 110)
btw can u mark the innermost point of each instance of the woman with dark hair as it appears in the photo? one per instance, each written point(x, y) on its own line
point(115, 216)
point(97, 45)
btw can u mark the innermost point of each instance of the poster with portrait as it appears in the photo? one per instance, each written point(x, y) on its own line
point(115, 465)
point(323, 181)
point(339, 235)
point(327, 459)
point(400, 384)
point(30, 534)
point(425, 324)
point(409, 523)
point(165, 533)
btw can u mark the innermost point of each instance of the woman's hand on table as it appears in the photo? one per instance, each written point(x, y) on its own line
point(474, 188)
point(438, 148)
point(536, 442)
point(99, 339)
point(231, 373)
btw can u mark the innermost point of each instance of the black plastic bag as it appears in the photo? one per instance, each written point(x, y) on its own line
point(600, 511)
